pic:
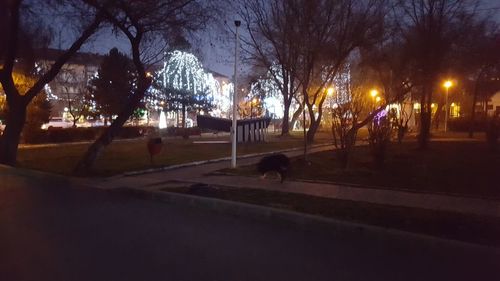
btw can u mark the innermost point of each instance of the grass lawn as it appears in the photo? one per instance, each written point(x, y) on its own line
point(130, 155)
point(466, 168)
point(481, 230)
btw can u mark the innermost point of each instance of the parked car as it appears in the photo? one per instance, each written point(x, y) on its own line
point(57, 122)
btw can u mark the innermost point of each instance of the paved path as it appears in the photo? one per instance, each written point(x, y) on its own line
point(200, 173)
point(51, 229)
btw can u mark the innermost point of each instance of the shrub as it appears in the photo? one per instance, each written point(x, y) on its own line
point(182, 132)
point(34, 136)
point(463, 124)
point(493, 133)
point(129, 132)
point(61, 135)
point(379, 137)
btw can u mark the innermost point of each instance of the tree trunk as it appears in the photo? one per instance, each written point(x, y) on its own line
point(313, 128)
point(183, 116)
point(473, 116)
point(437, 116)
point(108, 135)
point(285, 124)
point(473, 111)
point(9, 141)
point(425, 118)
point(296, 115)
point(313, 124)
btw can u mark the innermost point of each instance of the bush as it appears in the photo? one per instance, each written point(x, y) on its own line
point(463, 124)
point(493, 133)
point(182, 132)
point(61, 135)
point(130, 132)
point(34, 136)
point(379, 137)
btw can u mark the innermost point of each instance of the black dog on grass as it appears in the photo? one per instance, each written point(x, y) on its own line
point(278, 163)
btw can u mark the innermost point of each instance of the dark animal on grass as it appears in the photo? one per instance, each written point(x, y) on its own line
point(278, 163)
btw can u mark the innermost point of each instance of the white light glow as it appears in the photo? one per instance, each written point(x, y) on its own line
point(163, 121)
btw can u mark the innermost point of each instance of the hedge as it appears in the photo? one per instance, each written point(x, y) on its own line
point(61, 135)
point(463, 124)
point(182, 132)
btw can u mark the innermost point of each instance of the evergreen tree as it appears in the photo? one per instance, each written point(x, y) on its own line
point(114, 84)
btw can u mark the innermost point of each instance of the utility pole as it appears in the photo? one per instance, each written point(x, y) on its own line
point(237, 23)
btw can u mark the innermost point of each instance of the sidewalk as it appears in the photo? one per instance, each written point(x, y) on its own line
point(200, 173)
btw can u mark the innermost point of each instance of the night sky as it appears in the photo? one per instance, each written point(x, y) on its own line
point(214, 46)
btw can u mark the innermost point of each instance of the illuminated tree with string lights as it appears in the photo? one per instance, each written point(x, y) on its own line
point(183, 85)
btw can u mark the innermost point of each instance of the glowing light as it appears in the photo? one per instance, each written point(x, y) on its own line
point(373, 93)
point(447, 84)
point(416, 105)
point(184, 71)
point(377, 99)
point(452, 104)
point(163, 121)
point(330, 91)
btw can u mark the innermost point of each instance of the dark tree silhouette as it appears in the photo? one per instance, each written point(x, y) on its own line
point(142, 23)
point(18, 23)
point(114, 84)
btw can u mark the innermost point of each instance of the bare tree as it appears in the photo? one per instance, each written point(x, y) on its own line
point(379, 137)
point(17, 14)
point(75, 94)
point(347, 109)
point(273, 44)
point(479, 62)
point(142, 22)
point(331, 31)
point(431, 28)
point(389, 63)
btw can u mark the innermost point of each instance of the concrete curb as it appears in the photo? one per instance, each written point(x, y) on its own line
point(378, 187)
point(197, 163)
point(334, 227)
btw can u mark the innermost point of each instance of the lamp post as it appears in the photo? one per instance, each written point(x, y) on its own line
point(447, 84)
point(237, 23)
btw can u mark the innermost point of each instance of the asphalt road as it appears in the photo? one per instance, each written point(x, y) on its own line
point(52, 231)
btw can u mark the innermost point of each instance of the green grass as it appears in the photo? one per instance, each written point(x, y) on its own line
point(466, 168)
point(471, 228)
point(132, 155)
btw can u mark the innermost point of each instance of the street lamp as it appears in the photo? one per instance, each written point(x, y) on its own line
point(375, 97)
point(237, 23)
point(447, 84)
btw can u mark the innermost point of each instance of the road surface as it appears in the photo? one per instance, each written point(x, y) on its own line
point(52, 230)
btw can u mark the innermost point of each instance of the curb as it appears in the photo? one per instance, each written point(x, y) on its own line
point(377, 187)
point(202, 162)
point(335, 227)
